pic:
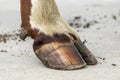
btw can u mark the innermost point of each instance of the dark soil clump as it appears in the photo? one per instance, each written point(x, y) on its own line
point(114, 65)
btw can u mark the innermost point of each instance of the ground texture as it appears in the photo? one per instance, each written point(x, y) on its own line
point(97, 25)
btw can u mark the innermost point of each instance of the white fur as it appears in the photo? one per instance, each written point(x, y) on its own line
point(45, 17)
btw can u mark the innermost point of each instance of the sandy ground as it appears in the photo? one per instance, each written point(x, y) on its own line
point(99, 25)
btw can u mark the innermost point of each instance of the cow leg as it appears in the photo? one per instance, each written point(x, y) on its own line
point(55, 43)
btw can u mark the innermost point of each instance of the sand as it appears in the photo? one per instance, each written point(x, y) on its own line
point(98, 25)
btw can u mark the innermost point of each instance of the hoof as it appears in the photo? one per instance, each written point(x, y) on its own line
point(86, 54)
point(23, 34)
point(61, 56)
point(90, 60)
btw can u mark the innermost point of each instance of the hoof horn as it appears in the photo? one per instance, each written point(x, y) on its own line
point(23, 34)
point(60, 56)
point(87, 55)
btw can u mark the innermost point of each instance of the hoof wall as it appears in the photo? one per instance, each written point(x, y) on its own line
point(23, 35)
point(60, 56)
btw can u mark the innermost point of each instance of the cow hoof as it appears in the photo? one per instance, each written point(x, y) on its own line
point(61, 56)
point(23, 34)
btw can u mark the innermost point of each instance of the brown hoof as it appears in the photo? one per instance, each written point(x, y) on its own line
point(63, 56)
point(90, 59)
point(86, 54)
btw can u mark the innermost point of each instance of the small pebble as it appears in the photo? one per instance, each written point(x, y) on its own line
point(103, 58)
point(77, 17)
point(114, 65)
point(114, 17)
